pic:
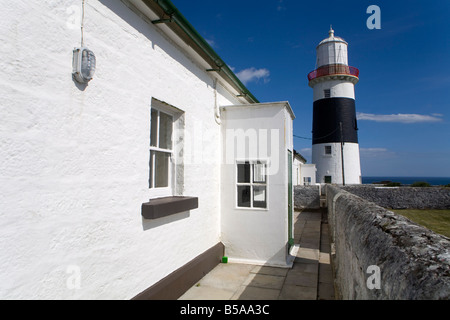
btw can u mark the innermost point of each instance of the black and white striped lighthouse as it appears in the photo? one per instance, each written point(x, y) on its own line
point(335, 149)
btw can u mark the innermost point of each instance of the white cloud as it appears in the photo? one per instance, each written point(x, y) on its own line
point(211, 43)
point(400, 117)
point(253, 74)
point(280, 6)
point(376, 153)
point(306, 152)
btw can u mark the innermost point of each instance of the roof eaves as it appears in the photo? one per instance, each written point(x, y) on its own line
point(168, 13)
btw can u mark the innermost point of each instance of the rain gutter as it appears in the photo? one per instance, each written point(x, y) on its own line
point(172, 17)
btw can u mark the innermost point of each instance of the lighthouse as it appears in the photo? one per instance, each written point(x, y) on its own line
point(335, 148)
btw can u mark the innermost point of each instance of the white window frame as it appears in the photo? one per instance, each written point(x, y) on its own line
point(307, 181)
point(162, 191)
point(251, 184)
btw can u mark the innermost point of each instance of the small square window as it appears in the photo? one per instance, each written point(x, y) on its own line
point(327, 179)
point(327, 93)
point(327, 149)
point(252, 184)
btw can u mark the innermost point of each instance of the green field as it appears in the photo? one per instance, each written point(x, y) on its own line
point(436, 220)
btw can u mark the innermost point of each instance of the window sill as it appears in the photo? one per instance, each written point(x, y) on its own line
point(251, 209)
point(162, 207)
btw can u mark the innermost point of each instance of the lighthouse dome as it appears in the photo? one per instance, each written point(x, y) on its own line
point(332, 38)
point(332, 50)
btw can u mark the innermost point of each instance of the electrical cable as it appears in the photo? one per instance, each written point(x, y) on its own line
point(302, 137)
point(318, 137)
point(82, 23)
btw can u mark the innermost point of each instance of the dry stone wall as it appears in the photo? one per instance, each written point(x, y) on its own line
point(307, 197)
point(403, 197)
point(413, 262)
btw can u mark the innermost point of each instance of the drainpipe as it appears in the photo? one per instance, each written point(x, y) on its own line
point(216, 105)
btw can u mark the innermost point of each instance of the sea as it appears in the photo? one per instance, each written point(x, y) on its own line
point(434, 181)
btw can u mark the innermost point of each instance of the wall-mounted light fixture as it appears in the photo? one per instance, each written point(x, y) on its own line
point(83, 64)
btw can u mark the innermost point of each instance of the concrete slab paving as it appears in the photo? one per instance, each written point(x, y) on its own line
point(292, 292)
point(264, 281)
point(207, 293)
point(273, 271)
point(255, 293)
point(310, 277)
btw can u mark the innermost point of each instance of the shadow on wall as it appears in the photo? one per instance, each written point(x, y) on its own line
point(80, 86)
point(148, 224)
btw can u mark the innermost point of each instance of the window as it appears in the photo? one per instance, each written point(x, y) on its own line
point(327, 149)
point(327, 93)
point(327, 179)
point(307, 181)
point(160, 150)
point(252, 184)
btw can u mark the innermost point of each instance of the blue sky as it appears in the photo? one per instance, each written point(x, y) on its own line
point(402, 98)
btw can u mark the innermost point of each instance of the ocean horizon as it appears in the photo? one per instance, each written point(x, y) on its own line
point(434, 181)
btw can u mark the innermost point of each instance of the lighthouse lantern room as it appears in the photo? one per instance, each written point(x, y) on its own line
point(335, 149)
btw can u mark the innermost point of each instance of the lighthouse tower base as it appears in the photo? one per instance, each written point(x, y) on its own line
point(328, 159)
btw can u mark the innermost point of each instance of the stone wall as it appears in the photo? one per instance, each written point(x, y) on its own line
point(307, 197)
point(413, 262)
point(403, 197)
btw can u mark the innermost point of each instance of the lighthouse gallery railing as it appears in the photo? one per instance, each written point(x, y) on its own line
point(333, 69)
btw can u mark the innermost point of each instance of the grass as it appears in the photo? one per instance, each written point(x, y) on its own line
point(435, 220)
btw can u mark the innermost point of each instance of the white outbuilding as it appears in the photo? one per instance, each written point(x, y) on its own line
point(303, 174)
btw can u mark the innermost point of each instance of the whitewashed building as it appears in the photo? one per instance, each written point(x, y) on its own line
point(303, 174)
point(122, 187)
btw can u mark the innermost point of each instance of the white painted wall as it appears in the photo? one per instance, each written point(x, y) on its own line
point(302, 170)
point(74, 160)
point(256, 235)
point(338, 89)
point(331, 165)
point(296, 174)
point(308, 171)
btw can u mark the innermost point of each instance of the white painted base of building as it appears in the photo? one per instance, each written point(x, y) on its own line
point(330, 165)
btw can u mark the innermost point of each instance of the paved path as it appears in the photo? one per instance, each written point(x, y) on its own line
point(310, 278)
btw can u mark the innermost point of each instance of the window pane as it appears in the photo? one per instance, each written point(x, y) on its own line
point(154, 128)
point(165, 131)
point(259, 197)
point(259, 173)
point(150, 177)
point(244, 196)
point(243, 172)
point(161, 169)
